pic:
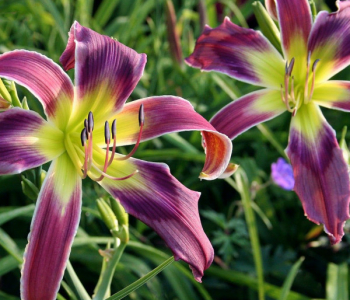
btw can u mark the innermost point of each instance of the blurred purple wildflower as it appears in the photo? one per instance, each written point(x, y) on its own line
point(282, 174)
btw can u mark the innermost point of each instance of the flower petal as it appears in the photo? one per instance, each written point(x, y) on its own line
point(248, 111)
point(244, 54)
point(329, 41)
point(320, 172)
point(27, 141)
point(156, 198)
point(106, 72)
point(167, 114)
point(295, 23)
point(53, 228)
point(44, 78)
point(333, 94)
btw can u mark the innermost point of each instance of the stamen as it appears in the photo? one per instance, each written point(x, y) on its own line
point(107, 140)
point(313, 77)
point(141, 124)
point(107, 133)
point(114, 136)
point(111, 177)
point(83, 137)
point(85, 123)
point(306, 87)
point(90, 122)
point(292, 91)
point(291, 65)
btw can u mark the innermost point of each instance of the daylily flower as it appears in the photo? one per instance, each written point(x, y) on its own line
point(297, 82)
point(77, 140)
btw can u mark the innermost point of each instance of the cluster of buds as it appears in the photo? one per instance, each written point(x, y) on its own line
point(9, 97)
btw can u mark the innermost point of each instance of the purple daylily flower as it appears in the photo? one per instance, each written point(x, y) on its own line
point(297, 82)
point(106, 72)
point(282, 174)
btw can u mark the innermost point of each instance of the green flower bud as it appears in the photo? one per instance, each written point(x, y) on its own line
point(119, 211)
point(29, 189)
point(107, 215)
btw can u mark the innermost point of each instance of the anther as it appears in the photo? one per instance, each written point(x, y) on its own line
point(141, 115)
point(315, 64)
point(85, 123)
point(90, 122)
point(107, 133)
point(290, 68)
point(114, 128)
point(83, 137)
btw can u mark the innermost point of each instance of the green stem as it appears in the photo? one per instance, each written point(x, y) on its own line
point(109, 273)
point(269, 135)
point(243, 189)
point(313, 9)
point(83, 295)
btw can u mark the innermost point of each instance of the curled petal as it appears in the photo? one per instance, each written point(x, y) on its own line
point(248, 111)
point(27, 141)
point(44, 78)
point(320, 172)
point(241, 53)
point(295, 23)
point(155, 197)
point(166, 114)
point(106, 72)
point(333, 94)
point(53, 228)
point(329, 41)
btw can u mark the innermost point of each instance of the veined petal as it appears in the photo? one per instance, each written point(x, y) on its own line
point(333, 94)
point(44, 78)
point(53, 228)
point(106, 72)
point(156, 198)
point(320, 172)
point(329, 41)
point(167, 114)
point(248, 111)
point(244, 54)
point(295, 23)
point(27, 141)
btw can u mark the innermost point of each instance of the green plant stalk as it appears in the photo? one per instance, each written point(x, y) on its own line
point(269, 135)
point(243, 190)
point(109, 272)
point(14, 96)
point(83, 295)
point(138, 283)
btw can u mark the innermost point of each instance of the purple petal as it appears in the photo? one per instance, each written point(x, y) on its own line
point(295, 23)
point(248, 111)
point(156, 198)
point(321, 174)
point(53, 228)
point(106, 71)
point(282, 174)
point(42, 77)
point(242, 53)
point(330, 41)
point(166, 114)
point(333, 94)
point(27, 141)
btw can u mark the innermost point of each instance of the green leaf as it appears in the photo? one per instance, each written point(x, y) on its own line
point(126, 291)
point(337, 282)
point(16, 212)
point(290, 278)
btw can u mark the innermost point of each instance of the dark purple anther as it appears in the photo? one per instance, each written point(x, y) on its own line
point(314, 65)
point(85, 123)
point(291, 65)
point(107, 133)
point(90, 122)
point(83, 137)
point(141, 116)
point(114, 128)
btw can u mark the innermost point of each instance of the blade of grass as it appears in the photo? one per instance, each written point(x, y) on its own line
point(14, 213)
point(337, 282)
point(290, 278)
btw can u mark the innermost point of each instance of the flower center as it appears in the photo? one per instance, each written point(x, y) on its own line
point(294, 95)
point(86, 137)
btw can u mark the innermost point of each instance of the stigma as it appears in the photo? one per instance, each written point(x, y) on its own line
point(110, 134)
point(294, 93)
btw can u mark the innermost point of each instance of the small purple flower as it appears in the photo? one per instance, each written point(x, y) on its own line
point(282, 174)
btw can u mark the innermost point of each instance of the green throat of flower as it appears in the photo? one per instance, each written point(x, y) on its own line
point(294, 92)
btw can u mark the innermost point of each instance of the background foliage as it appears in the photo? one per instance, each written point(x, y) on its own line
point(293, 252)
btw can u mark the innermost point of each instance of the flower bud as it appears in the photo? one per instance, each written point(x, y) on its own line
point(4, 93)
point(107, 215)
point(119, 211)
point(4, 105)
point(25, 103)
point(271, 8)
point(29, 189)
point(344, 146)
point(267, 25)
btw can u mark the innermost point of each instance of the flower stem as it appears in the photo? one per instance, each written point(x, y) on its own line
point(241, 183)
point(83, 295)
point(108, 273)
